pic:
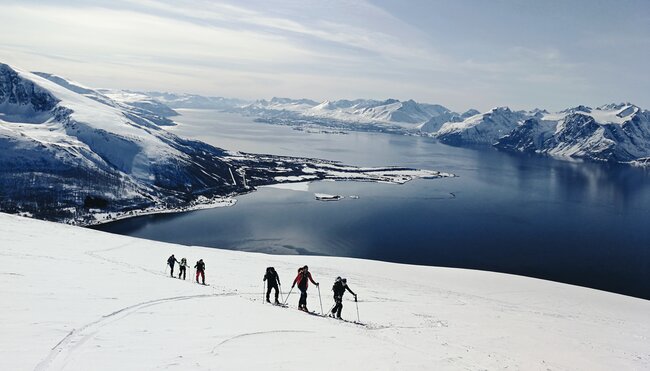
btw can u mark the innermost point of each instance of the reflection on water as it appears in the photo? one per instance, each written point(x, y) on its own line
point(579, 223)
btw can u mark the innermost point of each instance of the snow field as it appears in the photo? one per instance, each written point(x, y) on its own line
point(77, 299)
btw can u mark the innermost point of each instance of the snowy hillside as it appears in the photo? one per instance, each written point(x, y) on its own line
point(76, 299)
point(485, 128)
point(68, 149)
point(73, 154)
point(614, 132)
point(139, 100)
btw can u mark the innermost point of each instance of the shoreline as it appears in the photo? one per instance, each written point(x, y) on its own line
point(375, 175)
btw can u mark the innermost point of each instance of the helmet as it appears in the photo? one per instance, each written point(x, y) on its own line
point(344, 280)
point(338, 278)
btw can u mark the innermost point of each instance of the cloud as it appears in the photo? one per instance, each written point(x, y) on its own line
point(307, 48)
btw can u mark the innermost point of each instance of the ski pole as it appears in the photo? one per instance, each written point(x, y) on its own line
point(287, 298)
point(321, 301)
point(357, 303)
point(331, 309)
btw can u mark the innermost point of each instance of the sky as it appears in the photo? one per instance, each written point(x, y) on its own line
point(462, 54)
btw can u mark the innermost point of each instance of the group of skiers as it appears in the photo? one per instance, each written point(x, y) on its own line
point(182, 268)
point(272, 279)
point(302, 280)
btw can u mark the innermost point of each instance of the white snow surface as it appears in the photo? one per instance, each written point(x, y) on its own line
point(77, 299)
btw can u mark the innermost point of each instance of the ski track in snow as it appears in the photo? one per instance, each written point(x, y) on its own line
point(64, 349)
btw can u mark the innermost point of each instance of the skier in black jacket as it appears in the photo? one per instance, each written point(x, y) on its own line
point(272, 282)
point(182, 268)
point(171, 261)
point(200, 270)
point(340, 285)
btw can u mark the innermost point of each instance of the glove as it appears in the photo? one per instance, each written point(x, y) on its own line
point(355, 298)
point(317, 284)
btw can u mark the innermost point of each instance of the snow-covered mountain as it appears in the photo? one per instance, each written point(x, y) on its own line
point(132, 103)
point(141, 100)
point(365, 111)
point(483, 128)
point(613, 133)
point(78, 299)
point(68, 149)
point(435, 123)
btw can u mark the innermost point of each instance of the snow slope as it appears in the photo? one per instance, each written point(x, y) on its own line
point(484, 128)
point(67, 148)
point(139, 100)
point(76, 299)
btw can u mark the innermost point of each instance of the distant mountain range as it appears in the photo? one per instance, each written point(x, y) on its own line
point(609, 133)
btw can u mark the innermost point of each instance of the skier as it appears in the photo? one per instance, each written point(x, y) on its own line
point(272, 282)
point(340, 285)
point(301, 280)
point(182, 266)
point(200, 270)
point(171, 261)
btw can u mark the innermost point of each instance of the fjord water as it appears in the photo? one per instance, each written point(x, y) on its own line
point(579, 223)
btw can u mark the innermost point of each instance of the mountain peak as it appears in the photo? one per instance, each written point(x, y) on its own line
point(580, 108)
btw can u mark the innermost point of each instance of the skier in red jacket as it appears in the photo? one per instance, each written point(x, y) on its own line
point(302, 279)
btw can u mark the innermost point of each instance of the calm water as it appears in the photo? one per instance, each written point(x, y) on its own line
point(584, 224)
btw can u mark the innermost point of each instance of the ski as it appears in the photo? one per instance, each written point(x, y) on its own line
point(345, 320)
